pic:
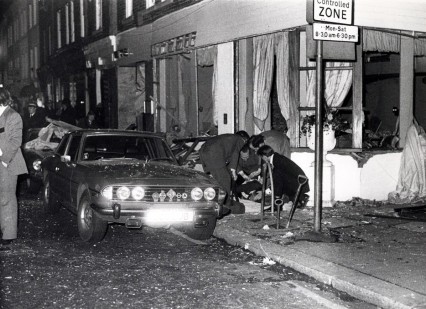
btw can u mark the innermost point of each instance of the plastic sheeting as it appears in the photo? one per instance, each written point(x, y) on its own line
point(43, 141)
point(411, 186)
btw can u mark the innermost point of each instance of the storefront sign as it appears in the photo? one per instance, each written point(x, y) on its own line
point(333, 32)
point(333, 11)
point(174, 45)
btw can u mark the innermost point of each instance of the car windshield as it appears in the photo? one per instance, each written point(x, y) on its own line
point(99, 147)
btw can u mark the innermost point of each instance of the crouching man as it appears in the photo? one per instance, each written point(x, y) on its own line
point(285, 174)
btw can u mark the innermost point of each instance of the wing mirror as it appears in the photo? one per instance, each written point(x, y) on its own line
point(65, 158)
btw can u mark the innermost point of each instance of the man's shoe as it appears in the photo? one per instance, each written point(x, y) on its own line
point(238, 208)
point(225, 211)
point(6, 244)
point(303, 200)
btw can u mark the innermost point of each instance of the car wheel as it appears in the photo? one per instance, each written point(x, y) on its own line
point(201, 230)
point(50, 203)
point(90, 227)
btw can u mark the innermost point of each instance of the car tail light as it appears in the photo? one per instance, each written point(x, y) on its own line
point(209, 194)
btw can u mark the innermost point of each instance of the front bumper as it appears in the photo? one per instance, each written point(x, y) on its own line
point(135, 215)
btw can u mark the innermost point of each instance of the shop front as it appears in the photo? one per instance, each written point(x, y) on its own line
point(238, 65)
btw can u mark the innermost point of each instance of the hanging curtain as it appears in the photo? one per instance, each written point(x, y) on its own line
point(263, 47)
point(207, 57)
point(420, 47)
point(337, 84)
point(283, 86)
point(184, 92)
point(140, 84)
point(286, 68)
point(380, 41)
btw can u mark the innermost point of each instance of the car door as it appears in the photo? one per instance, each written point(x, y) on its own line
point(55, 164)
point(65, 168)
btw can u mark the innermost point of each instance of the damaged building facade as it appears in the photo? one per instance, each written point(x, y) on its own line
point(221, 66)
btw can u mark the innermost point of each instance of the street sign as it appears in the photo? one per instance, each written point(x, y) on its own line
point(334, 11)
point(334, 32)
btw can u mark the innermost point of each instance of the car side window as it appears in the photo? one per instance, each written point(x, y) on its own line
point(63, 145)
point(73, 148)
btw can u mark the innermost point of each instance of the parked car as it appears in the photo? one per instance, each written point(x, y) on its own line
point(131, 178)
point(40, 143)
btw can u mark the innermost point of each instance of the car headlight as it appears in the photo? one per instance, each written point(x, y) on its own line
point(138, 193)
point(196, 194)
point(209, 194)
point(107, 193)
point(37, 165)
point(123, 193)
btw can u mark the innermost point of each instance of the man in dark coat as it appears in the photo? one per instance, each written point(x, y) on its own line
point(12, 164)
point(285, 173)
point(68, 113)
point(219, 157)
point(88, 122)
point(35, 118)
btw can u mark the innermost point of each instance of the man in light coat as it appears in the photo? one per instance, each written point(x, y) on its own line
point(12, 164)
point(277, 140)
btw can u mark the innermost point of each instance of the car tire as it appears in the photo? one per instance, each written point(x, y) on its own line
point(201, 232)
point(90, 227)
point(50, 203)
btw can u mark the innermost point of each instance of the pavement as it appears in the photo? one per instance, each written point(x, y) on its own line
point(365, 248)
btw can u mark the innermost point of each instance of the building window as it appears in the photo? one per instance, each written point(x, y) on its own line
point(34, 12)
point(25, 21)
point(35, 58)
point(150, 3)
point(82, 19)
point(67, 24)
point(340, 109)
point(30, 15)
point(24, 66)
point(9, 36)
point(31, 63)
point(129, 8)
point(73, 92)
point(72, 22)
point(22, 19)
point(58, 20)
point(49, 41)
point(98, 9)
point(16, 32)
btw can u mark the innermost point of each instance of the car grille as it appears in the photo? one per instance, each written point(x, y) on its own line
point(165, 194)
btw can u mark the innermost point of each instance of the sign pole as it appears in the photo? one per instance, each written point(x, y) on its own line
point(318, 139)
